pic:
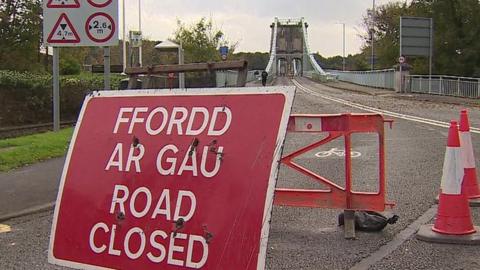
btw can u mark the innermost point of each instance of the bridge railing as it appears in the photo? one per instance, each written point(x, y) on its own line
point(384, 78)
point(443, 85)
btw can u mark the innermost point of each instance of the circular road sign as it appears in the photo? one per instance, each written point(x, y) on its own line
point(99, 3)
point(100, 27)
point(401, 59)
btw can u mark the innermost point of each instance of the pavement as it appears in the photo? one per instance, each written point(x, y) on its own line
point(303, 238)
point(30, 189)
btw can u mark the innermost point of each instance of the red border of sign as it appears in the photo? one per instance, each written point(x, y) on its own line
point(88, 22)
point(50, 5)
point(69, 23)
point(91, 2)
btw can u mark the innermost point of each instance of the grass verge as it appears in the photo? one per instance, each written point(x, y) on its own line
point(21, 151)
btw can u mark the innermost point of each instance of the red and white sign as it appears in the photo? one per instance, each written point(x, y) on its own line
point(162, 179)
point(63, 4)
point(90, 23)
point(63, 32)
point(401, 59)
point(99, 3)
point(100, 27)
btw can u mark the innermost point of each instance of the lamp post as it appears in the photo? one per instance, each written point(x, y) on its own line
point(124, 39)
point(373, 34)
point(140, 29)
point(343, 46)
point(343, 60)
point(167, 45)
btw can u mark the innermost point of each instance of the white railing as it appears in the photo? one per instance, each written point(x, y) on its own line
point(443, 85)
point(384, 78)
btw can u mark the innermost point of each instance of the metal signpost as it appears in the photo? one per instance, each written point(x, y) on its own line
point(173, 179)
point(71, 23)
point(416, 39)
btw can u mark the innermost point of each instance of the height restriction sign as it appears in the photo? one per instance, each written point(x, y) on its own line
point(80, 23)
point(168, 179)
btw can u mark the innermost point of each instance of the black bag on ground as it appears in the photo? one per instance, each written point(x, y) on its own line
point(369, 221)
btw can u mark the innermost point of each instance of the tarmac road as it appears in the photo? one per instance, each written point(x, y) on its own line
point(302, 238)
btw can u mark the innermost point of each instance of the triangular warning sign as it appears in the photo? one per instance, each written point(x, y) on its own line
point(63, 31)
point(63, 4)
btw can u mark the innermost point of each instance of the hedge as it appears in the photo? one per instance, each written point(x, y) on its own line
point(26, 98)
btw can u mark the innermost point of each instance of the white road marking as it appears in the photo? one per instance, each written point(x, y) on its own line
point(376, 110)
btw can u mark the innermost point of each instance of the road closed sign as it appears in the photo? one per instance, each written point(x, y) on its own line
point(170, 179)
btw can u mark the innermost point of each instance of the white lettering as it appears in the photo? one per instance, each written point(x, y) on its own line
point(120, 118)
point(193, 167)
point(160, 247)
point(178, 207)
point(162, 125)
point(203, 164)
point(192, 239)
point(135, 118)
point(94, 247)
point(173, 248)
point(196, 110)
point(120, 201)
point(172, 161)
point(126, 243)
point(165, 197)
point(228, 121)
point(111, 249)
point(135, 158)
point(148, 203)
point(177, 121)
point(116, 158)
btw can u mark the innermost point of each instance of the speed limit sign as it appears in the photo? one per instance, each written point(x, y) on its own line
point(401, 59)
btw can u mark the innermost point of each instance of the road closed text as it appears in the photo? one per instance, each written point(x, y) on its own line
point(158, 245)
point(179, 121)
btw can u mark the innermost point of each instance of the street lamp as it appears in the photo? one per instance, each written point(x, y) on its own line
point(124, 39)
point(343, 61)
point(373, 34)
point(168, 45)
point(140, 29)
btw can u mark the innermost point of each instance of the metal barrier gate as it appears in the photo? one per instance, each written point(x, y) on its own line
point(337, 126)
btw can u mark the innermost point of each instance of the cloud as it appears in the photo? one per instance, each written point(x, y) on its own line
point(248, 22)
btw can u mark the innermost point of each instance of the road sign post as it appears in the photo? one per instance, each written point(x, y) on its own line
point(165, 179)
point(71, 23)
point(56, 89)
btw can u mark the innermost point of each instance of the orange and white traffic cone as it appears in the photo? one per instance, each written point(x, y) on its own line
point(469, 185)
point(453, 223)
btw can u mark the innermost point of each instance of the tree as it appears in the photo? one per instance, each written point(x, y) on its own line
point(456, 32)
point(201, 41)
point(20, 32)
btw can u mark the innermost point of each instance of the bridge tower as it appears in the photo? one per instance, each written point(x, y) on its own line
point(289, 51)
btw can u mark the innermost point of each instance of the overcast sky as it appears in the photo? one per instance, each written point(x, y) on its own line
point(248, 21)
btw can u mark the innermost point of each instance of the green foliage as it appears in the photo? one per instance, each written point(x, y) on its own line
point(26, 150)
point(20, 34)
point(352, 62)
point(69, 66)
point(456, 35)
point(201, 41)
point(256, 60)
point(26, 98)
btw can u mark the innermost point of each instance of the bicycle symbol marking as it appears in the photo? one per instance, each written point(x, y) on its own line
point(337, 152)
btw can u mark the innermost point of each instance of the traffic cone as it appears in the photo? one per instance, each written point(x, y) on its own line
point(469, 185)
point(453, 223)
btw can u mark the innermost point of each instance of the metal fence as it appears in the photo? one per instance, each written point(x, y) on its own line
point(384, 78)
point(443, 85)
